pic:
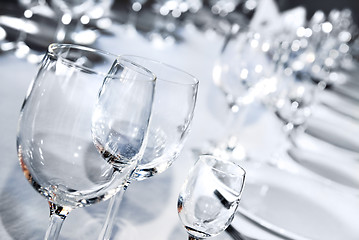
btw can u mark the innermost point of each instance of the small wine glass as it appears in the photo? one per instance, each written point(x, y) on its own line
point(172, 113)
point(293, 100)
point(54, 142)
point(210, 196)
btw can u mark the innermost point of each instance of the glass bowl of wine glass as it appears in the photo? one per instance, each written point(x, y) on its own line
point(210, 196)
point(54, 141)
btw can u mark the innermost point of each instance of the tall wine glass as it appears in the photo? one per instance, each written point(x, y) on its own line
point(210, 196)
point(295, 92)
point(239, 71)
point(54, 141)
point(173, 107)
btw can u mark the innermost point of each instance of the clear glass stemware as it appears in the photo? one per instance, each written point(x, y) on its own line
point(172, 113)
point(210, 196)
point(243, 65)
point(55, 142)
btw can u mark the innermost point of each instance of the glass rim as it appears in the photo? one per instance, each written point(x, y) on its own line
point(203, 156)
point(194, 82)
point(51, 49)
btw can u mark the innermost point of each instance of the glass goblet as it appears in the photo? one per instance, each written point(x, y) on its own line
point(295, 92)
point(172, 113)
point(210, 196)
point(54, 141)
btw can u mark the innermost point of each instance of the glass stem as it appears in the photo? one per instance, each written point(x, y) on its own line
point(237, 116)
point(234, 126)
point(57, 217)
point(112, 209)
point(288, 132)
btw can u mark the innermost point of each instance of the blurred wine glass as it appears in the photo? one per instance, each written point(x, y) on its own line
point(240, 71)
point(54, 141)
point(172, 113)
point(308, 63)
point(294, 90)
point(166, 17)
point(332, 38)
point(210, 196)
point(293, 100)
point(316, 47)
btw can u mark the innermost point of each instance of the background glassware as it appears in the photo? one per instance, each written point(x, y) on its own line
point(294, 92)
point(21, 24)
point(172, 113)
point(332, 38)
point(55, 145)
point(223, 7)
point(241, 68)
point(293, 100)
point(73, 14)
point(210, 196)
point(167, 19)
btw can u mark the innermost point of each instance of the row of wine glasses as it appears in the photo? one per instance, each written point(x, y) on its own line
point(92, 122)
point(284, 70)
point(299, 67)
point(287, 73)
point(329, 49)
point(311, 60)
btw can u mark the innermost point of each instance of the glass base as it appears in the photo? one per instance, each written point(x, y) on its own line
point(230, 149)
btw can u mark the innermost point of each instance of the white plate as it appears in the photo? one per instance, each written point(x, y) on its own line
point(298, 207)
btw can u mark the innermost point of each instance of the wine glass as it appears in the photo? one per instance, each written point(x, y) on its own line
point(172, 113)
point(54, 141)
point(293, 102)
point(293, 99)
point(332, 38)
point(243, 65)
point(210, 196)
